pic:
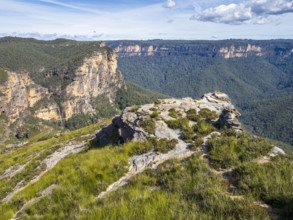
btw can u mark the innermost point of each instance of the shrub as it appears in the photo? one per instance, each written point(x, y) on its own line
point(172, 113)
point(270, 182)
point(135, 108)
point(154, 114)
point(196, 143)
point(164, 145)
point(149, 125)
point(203, 128)
point(192, 115)
point(153, 109)
point(138, 148)
point(181, 123)
point(208, 114)
point(227, 152)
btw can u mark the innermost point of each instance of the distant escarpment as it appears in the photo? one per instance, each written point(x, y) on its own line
point(226, 48)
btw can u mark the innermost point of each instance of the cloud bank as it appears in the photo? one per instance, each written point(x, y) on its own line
point(251, 11)
point(169, 4)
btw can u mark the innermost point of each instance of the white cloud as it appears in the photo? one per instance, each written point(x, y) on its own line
point(251, 11)
point(169, 4)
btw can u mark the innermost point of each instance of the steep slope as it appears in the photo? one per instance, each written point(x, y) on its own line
point(191, 160)
point(248, 70)
point(60, 82)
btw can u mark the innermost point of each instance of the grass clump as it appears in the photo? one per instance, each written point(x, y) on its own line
point(149, 125)
point(192, 115)
point(181, 123)
point(175, 190)
point(172, 113)
point(164, 145)
point(135, 108)
point(225, 152)
point(208, 114)
point(270, 182)
point(155, 114)
point(196, 143)
point(203, 128)
point(138, 148)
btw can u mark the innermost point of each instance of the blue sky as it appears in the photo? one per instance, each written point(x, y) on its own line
point(147, 19)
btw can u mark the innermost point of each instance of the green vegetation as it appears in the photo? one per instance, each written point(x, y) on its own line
point(3, 76)
point(149, 125)
point(154, 114)
point(52, 63)
point(138, 148)
point(164, 145)
point(207, 114)
point(259, 86)
point(135, 95)
point(172, 113)
point(269, 182)
point(230, 151)
point(175, 190)
point(203, 128)
point(181, 123)
point(135, 108)
point(192, 115)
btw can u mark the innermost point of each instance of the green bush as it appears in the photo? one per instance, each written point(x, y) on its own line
point(155, 114)
point(196, 143)
point(181, 123)
point(203, 128)
point(135, 108)
point(149, 125)
point(270, 182)
point(172, 113)
point(138, 148)
point(192, 115)
point(164, 145)
point(207, 114)
point(225, 152)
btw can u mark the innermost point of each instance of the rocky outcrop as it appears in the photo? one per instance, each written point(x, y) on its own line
point(129, 127)
point(241, 51)
point(229, 118)
point(135, 50)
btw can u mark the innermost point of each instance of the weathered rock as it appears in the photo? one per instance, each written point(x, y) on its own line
point(128, 124)
point(229, 118)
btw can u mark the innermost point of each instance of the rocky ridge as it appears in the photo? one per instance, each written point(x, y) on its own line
point(129, 127)
point(128, 123)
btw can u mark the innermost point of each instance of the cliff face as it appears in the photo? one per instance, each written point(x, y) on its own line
point(227, 49)
point(232, 51)
point(18, 93)
point(98, 75)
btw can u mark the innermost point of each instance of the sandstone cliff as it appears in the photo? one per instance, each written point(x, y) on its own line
point(98, 75)
point(128, 50)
